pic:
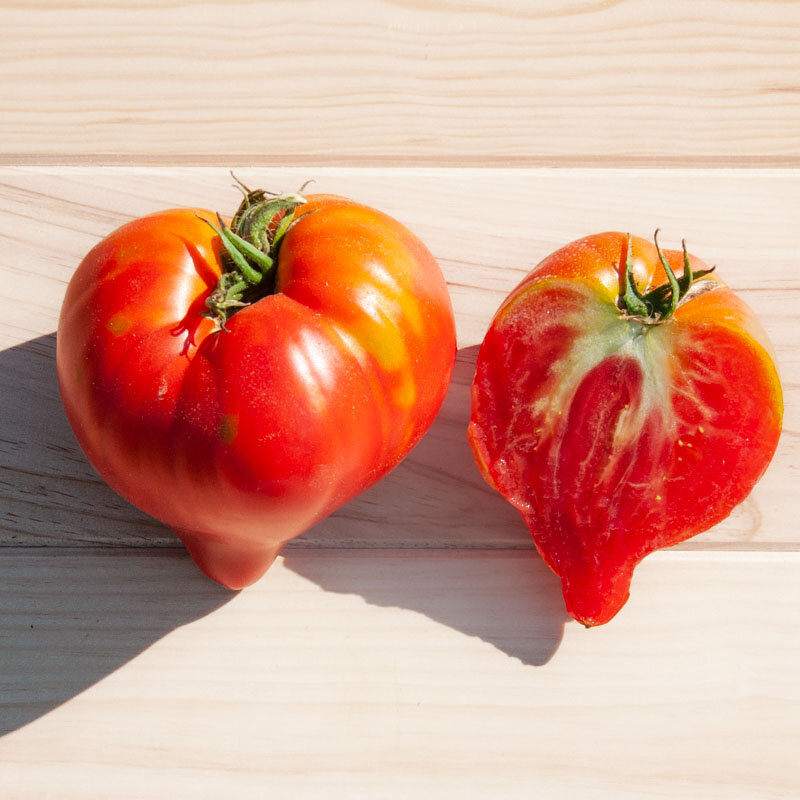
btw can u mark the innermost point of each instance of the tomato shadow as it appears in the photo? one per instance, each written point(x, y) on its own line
point(70, 617)
point(435, 498)
point(495, 587)
point(62, 628)
point(49, 493)
point(509, 600)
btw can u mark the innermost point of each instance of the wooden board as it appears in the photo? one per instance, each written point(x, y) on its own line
point(413, 644)
point(341, 675)
point(745, 221)
point(401, 81)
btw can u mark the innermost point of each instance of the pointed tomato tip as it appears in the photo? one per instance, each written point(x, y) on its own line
point(604, 613)
point(235, 566)
point(594, 599)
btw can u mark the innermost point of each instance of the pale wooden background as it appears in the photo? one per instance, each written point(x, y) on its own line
point(448, 82)
point(413, 643)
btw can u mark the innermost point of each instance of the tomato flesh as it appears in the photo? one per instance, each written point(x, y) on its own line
point(614, 437)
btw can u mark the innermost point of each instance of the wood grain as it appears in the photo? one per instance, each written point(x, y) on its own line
point(689, 82)
point(413, 644)
point(382, 675)
point(486, 227)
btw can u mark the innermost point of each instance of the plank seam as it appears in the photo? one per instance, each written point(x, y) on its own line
point(344, 160)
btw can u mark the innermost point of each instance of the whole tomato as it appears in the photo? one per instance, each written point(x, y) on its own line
point(241, 382)
point(621, 409)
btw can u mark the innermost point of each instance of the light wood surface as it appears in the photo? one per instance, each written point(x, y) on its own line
point(745, 221)
point(413, 644)
point(402, 81)
point(334, 678)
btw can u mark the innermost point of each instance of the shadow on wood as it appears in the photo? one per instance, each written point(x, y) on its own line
point(49, 493)
point(68, 622)
point(87, 621)
point(437, 497)
point(510, 600)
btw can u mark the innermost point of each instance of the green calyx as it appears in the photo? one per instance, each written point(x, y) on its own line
point(251, 242)
point(659, 304)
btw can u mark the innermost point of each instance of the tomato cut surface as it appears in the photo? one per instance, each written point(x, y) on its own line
point(615, 435)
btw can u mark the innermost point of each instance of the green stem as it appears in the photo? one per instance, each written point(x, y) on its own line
point(634, 301)
point(674, 294)
point(659, 304)
point(251, 245)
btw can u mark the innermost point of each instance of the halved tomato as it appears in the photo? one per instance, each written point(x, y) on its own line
point(622, 409)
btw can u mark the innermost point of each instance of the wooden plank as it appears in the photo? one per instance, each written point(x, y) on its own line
point(486, 227)
point(479, 83)
point(364, 674)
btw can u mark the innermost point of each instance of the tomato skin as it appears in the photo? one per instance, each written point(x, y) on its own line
point(240, 440)
point(611, 437)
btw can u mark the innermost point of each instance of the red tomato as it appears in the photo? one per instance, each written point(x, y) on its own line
point(242, 438)
point(618, 427)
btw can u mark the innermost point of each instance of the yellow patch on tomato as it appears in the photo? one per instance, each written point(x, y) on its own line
point(413, 315)
point(389, 351)
point(404, 392)
point(396, 285)
point(118, 324)
point(228, 428)
point(382, 339)
point(380, 331)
